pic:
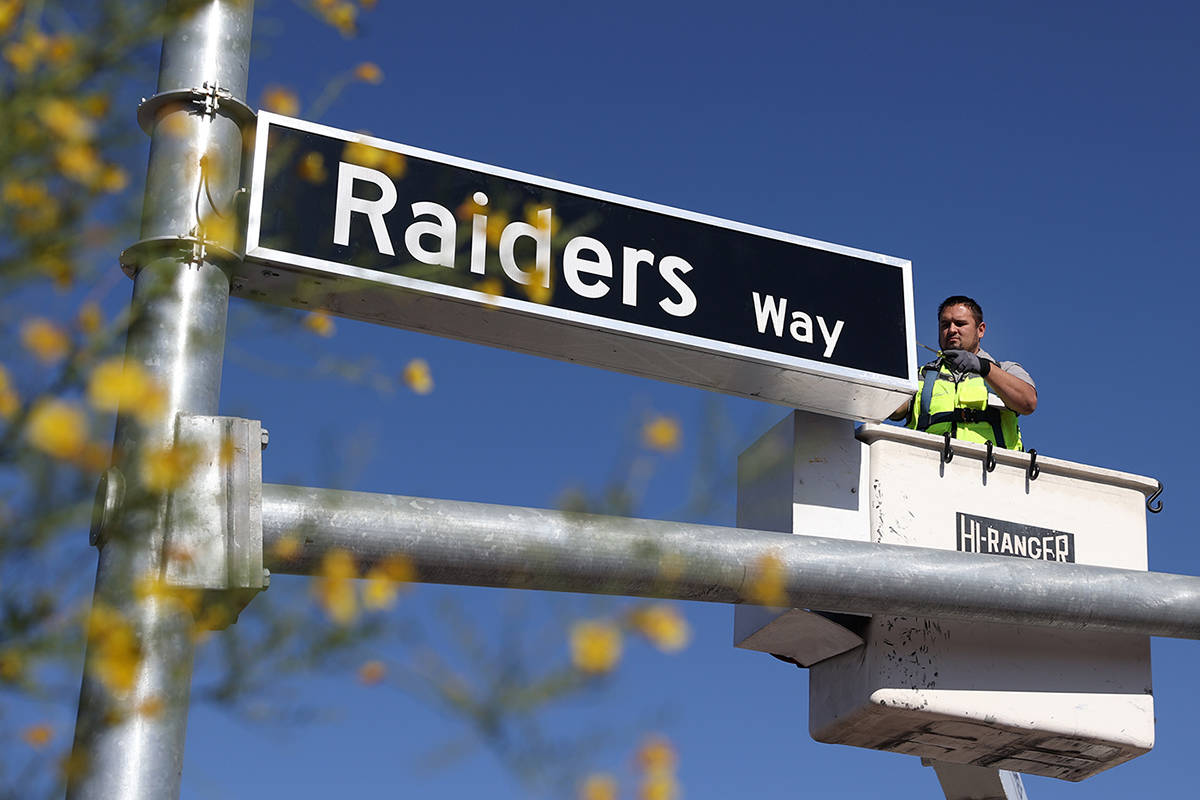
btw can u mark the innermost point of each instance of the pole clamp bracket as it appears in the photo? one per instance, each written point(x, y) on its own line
point(190, 249)
point(210, 98)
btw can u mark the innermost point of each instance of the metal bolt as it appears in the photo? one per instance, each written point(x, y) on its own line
point(266, 438)
point(266, 583)
point(110, 496)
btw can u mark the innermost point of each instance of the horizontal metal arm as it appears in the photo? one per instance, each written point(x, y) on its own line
point(477, 544)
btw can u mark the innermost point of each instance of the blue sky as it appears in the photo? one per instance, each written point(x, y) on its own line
point(1039, 157)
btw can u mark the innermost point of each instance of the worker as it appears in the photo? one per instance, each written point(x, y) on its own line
point(952, 390)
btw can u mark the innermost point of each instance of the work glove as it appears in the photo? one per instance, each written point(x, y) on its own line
point(962, 361)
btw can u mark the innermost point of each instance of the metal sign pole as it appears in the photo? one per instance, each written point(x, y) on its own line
point(129, 736)
point(479, 544)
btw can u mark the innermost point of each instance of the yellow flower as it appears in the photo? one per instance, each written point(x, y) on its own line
point(766, 586)
point(671, 567)
point(89, 318)
point(536, 289)
point(12, 665)
point(114, 651)
point(165, 468)
point(65, 120)
point(333, 586)
point(96, 104)
point(319, 323)
point(287, 548)
point(389, 161)
point(152, 587)
point(418, 377)
point(656, 759)
point(531, 216)
point(341, 16)
point(9, 11)
point(38, 736)
point(54, 266)
point(663, 625)
point(10, 401)
point(662, 433)
point(469, 208)
point(48, 342)
point(379, 593)
point(111, 179)
point(595, 645)
point(226, 451)
point(371, 673)
point(281, 101)
point(598, 786)
point(312, 168)
point(368, 72)
point(496, 223)
point(215, 617)
point(78, 161)
point(60, 49)
point(151, 707)
point(175, 125)
point(22, 55)
point(38, 219)
point(58, 428)
point(491, 287)
point(116, 385)
point(656, 755)
point(385, 580)
point(25, 194)
point(359, 153)
point(659, 786)
point(222, 231)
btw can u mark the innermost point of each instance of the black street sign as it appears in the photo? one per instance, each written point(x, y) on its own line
point(373, 230)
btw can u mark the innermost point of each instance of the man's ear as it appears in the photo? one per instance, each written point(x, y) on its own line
point(982, 329)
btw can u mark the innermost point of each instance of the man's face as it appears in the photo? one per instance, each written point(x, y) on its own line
point(957, 329)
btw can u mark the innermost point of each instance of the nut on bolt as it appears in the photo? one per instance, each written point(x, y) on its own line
point(266, 438)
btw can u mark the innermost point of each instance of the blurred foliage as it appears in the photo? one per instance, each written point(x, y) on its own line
point(69, 200)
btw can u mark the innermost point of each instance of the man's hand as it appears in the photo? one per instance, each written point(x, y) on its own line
point(1018, 395)
point(962, 361)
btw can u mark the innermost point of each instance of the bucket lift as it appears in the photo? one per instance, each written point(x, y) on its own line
point(1041, 701)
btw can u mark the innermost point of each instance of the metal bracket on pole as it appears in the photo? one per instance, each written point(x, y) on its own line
point(210, 98)
point(968, 782)
point(192, 249)
point(213, 538)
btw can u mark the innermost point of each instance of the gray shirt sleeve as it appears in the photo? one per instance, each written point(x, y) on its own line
point(1017, 371)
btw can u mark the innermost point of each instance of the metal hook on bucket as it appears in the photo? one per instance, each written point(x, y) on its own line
point(1034, 469)
point(947, 453)
point(989, 460)
point(1151, 508)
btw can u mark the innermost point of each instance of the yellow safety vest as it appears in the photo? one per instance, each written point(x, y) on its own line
point(943, 405)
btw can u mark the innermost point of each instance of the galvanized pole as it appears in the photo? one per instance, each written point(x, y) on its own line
point(129, 740)
point(477, 544)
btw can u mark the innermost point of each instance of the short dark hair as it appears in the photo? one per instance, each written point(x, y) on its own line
point(962, 300)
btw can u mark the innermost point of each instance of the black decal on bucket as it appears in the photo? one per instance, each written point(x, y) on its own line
point(1001, 538)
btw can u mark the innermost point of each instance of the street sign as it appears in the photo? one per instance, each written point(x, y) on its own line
point(373, 230)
